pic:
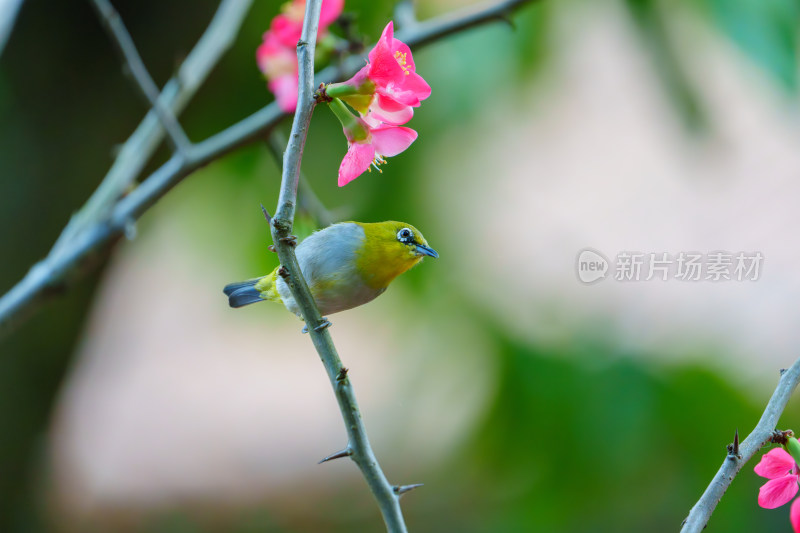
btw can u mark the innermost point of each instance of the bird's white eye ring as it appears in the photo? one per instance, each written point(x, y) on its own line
point(405, 235)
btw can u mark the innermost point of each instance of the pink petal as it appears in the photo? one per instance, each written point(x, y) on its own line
point(389, 104)
point(414, 83)
point(391, 140)
point(331, 9)
point(777, 463)
point(383, 43)
point(777, 492)
point(394, 118)
point(357, 159)
point(390, 111)
point(383, 67)
point(270, 46)
point(285, 90)
point(387, 35)
point(288, 31)
point(794, 515)
point(396, 93)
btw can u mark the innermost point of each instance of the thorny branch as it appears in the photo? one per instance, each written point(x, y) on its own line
point(762, 434)
point(358, 447)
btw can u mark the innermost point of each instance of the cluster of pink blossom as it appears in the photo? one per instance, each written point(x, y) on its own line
point(383, 93)
point(781, 469)
point(277, 55)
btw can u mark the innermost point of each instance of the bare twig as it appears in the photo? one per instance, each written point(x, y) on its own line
point(105, 216)
point(112, 22)
point(140, 146)
point(8, 17)
point(761, 435)
point(359, 449)
point(405, 15)
point(431, 30)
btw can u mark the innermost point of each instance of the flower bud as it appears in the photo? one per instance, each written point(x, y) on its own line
point(793, 447)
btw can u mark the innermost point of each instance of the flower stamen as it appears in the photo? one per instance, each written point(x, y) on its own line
point(400, 57)
point(377, 162)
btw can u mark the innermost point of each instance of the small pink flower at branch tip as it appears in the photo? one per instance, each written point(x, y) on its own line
point(388, 86)
point(369, 142)
point(277, 55)
point(781, 470)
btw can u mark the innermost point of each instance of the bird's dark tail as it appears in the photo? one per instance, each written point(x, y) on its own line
point(243, 293)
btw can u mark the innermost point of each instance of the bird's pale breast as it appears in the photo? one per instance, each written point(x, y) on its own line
point(328, 261)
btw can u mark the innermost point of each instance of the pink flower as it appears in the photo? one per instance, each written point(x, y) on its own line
point(288, 26)
point(368, 143)
point(277, 56)
point(392, 69)
point(388, 87)
point(279, 65)
point(285, 90)
point(781, 470)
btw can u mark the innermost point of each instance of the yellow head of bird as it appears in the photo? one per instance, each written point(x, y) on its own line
point(390, 248)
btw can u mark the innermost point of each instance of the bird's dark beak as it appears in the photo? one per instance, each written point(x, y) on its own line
point(425, 250)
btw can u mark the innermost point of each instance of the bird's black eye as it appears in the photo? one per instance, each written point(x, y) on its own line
point(405, 235)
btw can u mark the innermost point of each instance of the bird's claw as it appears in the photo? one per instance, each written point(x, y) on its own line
point(324, 324)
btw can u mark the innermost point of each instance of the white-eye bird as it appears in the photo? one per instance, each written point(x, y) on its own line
point(346, 265)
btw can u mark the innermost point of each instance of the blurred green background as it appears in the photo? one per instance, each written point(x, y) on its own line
point(522, 399)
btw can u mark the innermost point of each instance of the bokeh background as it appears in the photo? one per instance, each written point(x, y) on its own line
point(524, 400)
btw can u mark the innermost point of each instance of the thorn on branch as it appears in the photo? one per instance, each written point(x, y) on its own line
point(342, 375)
point(402, 489)
point(283, 272)
point(272, 249)
point(347, 452)
point(733, 449)
point(266, 214)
